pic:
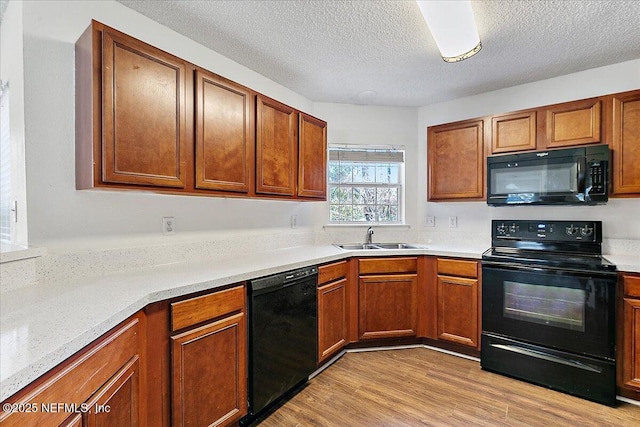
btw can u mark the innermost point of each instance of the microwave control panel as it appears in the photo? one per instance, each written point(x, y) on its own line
point(598, 175)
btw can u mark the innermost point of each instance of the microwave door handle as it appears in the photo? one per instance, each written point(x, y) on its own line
point(582, 175)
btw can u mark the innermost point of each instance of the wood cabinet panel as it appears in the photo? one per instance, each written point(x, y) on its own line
point(631, 344)
point(625, 142)
point(75, 381)
point(631, 286)
point(573, 123)
point(330, 272)
point(388, 265)
point(458, 310)
point(209, 373)
point(513, 132)
point(207, 307)
point(144, 114)
point(73, 421)
point(457, 267)
point(312, 157)
point(332, 318)
point(224, 134)
point(455, 158)
point(276, 147)
point(388, 306)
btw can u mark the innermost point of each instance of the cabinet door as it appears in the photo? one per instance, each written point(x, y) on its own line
point(573, 123)
point(144, 118)
point(116, 403)
point(625, 143)
point(312, 158)
point(458, 310)
point(209, 373)
point(388, 306)
point(631, 339)
point(332, 318)
point(513, 132)
point(224, 136)
point(456, 161)
point(276, 147)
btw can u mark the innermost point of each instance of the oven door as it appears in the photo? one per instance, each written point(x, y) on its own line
point(566, 310)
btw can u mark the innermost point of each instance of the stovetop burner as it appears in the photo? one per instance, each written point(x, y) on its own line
point(575, 245)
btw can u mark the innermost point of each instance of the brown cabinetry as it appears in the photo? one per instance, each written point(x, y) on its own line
point(388, 297)
point(458, 301)
point(629, 365)
point(101, 386)
point(312, 157)
point(455, 157)
point(224, 134)
point(209, 359)
point(623, 128)
point(513, 132)
point(573, 123)
point(332, 309)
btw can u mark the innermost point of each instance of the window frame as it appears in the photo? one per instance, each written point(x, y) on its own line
point(400, 185)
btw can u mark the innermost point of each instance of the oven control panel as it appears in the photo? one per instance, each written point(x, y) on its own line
point(540, 231)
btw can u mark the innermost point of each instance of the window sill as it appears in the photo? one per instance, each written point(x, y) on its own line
point(9, 253)
point(367, 225)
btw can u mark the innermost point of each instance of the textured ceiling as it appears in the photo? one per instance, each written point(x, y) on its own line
point(381, 52)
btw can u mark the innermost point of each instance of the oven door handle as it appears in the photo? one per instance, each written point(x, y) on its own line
point(549, 357)
point(513, 266)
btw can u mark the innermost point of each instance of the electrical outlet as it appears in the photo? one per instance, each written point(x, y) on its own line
point(294, 221)
point(431, 221)
point(168, 225)
point(453, 221)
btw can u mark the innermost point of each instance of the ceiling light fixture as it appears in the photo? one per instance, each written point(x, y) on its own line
point(453, 27)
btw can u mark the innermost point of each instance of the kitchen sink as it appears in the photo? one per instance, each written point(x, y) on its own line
point(374, 246)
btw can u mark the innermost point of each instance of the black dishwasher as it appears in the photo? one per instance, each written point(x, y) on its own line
point(282, 336)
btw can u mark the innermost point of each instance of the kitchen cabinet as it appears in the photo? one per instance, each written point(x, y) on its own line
point(455, 158)
point(623, 129)
point(388, 297)
point(224, 134)
point(99, 386)
point(514, 132)
point(572, 123)
point(276, 147)
point(131, 108)
point(312, 157)
point(209, 359)
point(629, 355)
point(458, 301)
point(332, 309)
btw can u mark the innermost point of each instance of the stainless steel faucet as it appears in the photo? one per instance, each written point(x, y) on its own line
point(369, 239)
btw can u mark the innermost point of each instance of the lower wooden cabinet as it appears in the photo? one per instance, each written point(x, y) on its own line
point(458, 303)
point(629, 353)
point(209, 359)
point(101, 386)
point(388, 302)
point(332, 309)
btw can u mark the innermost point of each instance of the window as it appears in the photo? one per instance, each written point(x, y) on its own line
point(366, 185)
point(5, 166)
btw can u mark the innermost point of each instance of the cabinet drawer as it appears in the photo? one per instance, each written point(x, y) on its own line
point(387, 265)
point(631, 286)
point(456, 267)
point(200, 309)
point(330, 272)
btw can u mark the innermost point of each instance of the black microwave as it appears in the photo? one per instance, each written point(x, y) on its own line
point(568, 176)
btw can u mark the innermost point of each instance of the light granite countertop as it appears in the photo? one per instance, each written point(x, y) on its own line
point(44, 324)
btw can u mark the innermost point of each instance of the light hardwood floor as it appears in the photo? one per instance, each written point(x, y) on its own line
point(422, 387)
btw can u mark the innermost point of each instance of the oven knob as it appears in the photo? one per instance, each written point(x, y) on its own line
point(513, 228)
point(571, 231)
point(501, 229)
point(586, 231)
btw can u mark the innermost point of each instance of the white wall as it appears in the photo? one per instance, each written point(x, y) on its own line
point(57, 212)
point(620, 216)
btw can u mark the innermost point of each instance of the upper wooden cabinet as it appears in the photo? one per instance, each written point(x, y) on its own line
point(455, 157)
point(148, 120)
point(513, 132)
point(623, 125)
point(276, 147)
point(224, 134)
point(573, 123)
point(131, 112)
point(312, 157)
